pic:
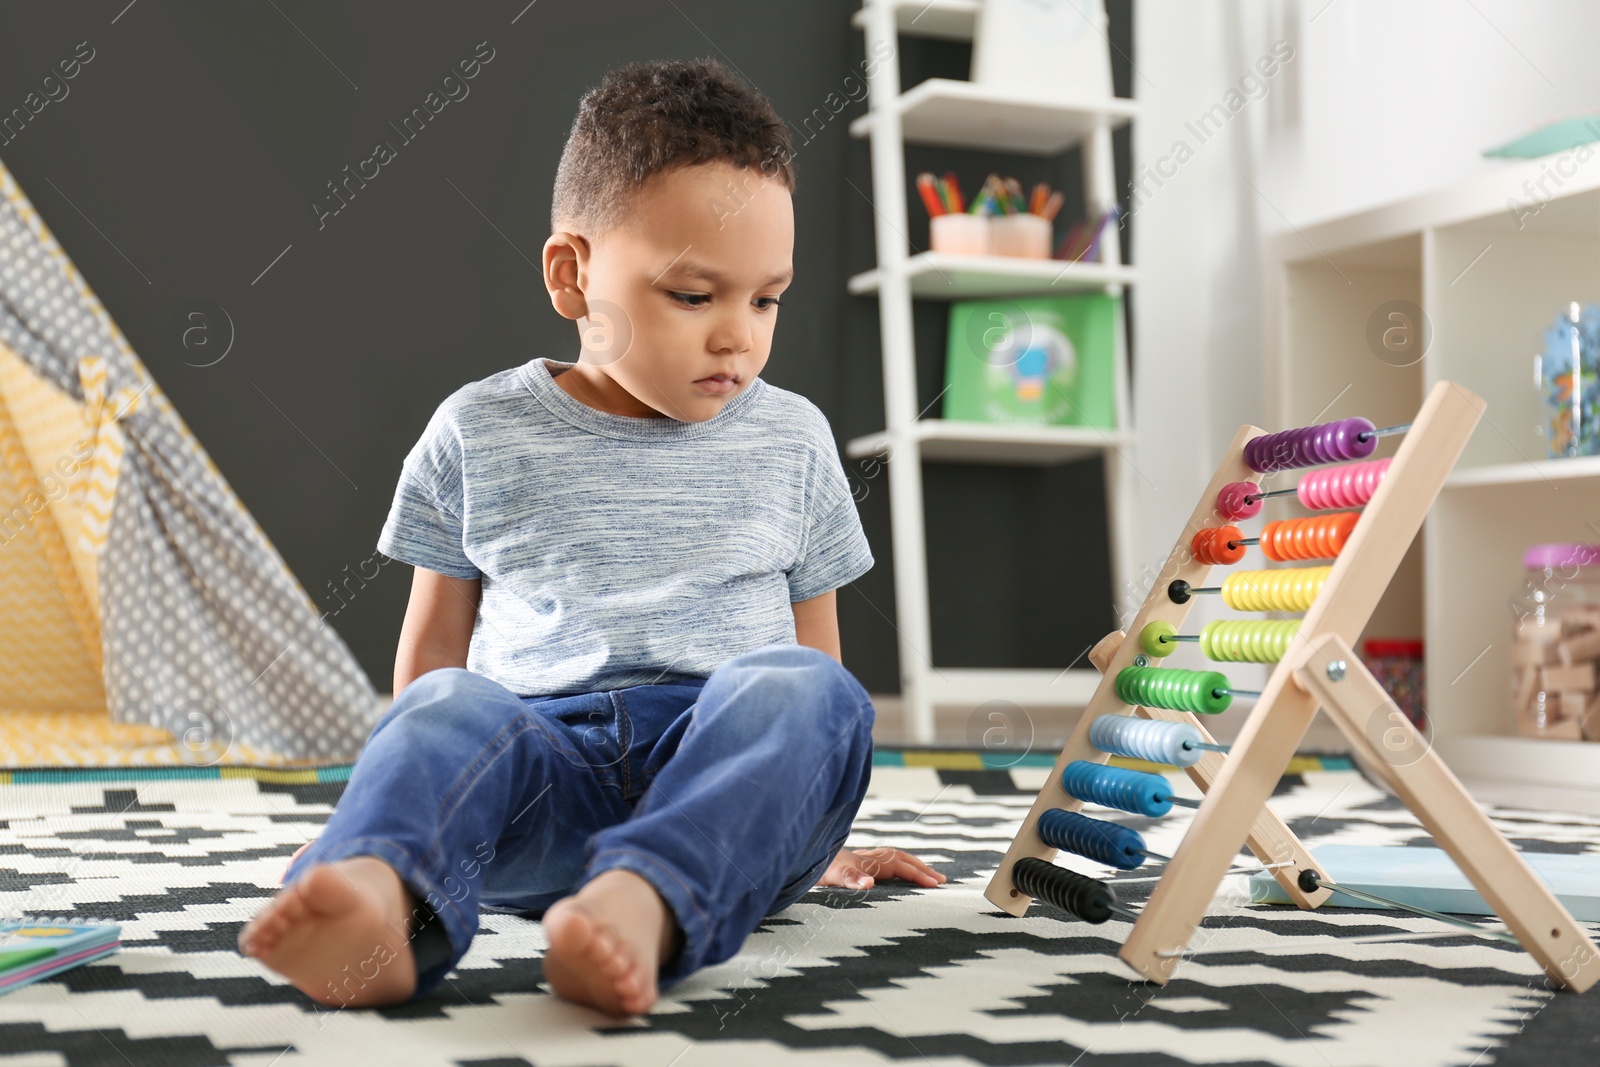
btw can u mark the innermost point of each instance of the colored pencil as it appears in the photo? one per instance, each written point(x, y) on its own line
point(956, 203)
point(1017, 201)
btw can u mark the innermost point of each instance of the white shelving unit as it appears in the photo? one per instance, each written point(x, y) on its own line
point(1490, 279)
point(947, 112)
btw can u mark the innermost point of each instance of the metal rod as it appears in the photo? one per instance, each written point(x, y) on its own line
point(1384, 432)
point(1311, 876)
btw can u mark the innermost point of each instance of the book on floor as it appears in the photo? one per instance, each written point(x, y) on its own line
point(34, 947)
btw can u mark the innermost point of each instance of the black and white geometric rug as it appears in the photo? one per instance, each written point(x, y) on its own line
point(894, 974)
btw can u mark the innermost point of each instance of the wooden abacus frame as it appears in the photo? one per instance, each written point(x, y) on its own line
point(1320, 666)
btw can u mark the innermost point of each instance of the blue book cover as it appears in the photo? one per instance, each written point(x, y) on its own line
point(34, 947)
point(1428, 878)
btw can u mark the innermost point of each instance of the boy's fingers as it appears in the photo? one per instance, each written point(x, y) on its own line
point(912, 869)
point(917, 873)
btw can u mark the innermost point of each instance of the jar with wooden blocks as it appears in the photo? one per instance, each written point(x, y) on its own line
point(1555, 650)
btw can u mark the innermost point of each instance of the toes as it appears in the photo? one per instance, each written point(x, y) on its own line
point(260, 932)
point(293, 907)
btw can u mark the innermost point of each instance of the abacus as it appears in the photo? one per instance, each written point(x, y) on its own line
point(1146, 711)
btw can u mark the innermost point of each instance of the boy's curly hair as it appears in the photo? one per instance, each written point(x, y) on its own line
point(654, 116)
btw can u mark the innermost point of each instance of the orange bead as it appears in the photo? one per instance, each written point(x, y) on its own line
point(1212, 546)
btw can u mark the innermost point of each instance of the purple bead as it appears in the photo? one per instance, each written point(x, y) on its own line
point(1357, 446)
point(1310, 446)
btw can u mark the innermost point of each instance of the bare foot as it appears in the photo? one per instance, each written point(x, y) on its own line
point(339, 934)
point(607, 942)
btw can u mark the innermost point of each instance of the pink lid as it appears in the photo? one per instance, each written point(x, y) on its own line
point(1551, 556)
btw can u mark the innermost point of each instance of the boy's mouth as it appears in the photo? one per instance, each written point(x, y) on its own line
point(719, 384)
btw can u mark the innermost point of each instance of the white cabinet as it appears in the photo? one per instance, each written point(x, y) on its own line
point(1490, 267)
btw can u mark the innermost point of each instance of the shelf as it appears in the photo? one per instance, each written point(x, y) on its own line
point(986, 442)
point(1530, 472)
point(1525, 760)
point(1495, 201)
point(970, 687)
point(942, 276)
point(962, 114)
point(949, 19)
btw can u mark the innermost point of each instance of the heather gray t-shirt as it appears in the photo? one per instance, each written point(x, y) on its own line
point(618, 551)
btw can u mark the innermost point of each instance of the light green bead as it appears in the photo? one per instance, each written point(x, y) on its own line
point(1152, 638)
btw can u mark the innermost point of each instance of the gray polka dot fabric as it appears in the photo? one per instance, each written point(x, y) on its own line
point(205, 631)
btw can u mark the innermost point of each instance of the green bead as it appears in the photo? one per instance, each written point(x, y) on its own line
point(1151, 638)
point(1209, 702)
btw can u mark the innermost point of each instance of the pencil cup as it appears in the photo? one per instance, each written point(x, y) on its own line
point(1024, 235)
point(959, 233)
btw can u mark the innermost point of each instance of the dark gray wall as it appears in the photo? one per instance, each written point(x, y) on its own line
point(187, 156)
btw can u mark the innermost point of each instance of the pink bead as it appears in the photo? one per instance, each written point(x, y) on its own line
point(1348, 486)
point(1231, 502)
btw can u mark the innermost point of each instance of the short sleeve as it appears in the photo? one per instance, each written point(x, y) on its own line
point(424, 527)
point(834, 551)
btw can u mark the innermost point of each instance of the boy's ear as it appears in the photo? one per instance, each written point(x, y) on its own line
point(566, 268)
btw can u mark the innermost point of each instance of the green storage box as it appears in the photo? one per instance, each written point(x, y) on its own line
point(1033, 360)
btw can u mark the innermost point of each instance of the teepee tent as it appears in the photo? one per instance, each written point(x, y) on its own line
point(146, 618)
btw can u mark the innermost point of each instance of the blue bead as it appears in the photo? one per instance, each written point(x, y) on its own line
point(1116, 846)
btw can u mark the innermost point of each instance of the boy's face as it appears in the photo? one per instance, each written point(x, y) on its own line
point(682, 290)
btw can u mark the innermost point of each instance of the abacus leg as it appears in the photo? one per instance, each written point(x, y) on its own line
point(1421, 779)
point(1237, 799)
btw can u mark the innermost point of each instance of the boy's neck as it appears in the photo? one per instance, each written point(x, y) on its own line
point(594, 388)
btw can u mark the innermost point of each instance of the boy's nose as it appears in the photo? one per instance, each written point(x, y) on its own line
point(731, 337)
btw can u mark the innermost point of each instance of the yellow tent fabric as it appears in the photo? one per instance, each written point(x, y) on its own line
point(49, 627)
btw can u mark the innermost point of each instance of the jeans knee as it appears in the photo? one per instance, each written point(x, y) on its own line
point(446, 695)
point(794, 675)
point(442, 680)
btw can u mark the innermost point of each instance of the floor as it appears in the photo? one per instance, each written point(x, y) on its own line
point(892, 975)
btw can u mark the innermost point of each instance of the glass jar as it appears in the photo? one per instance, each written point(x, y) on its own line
point(1567, 375)
point(1555, 649)
point(1397, 664)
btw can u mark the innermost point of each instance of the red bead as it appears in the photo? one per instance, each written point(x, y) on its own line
point(1231, 502)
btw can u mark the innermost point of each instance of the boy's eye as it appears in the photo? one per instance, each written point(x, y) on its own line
point(694, 300)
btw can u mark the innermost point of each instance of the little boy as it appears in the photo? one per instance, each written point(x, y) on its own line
point(620, 702)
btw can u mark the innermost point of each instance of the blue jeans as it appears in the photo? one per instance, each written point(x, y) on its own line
point(729, 794)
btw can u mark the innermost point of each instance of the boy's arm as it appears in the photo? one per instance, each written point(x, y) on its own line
point(816, 623)
point(438, 627)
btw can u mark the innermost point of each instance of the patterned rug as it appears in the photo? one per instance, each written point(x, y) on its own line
point(183, 857)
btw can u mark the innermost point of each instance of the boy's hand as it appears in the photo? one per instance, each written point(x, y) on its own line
point(858, 869)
